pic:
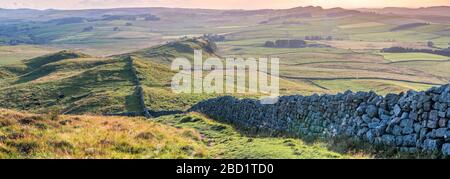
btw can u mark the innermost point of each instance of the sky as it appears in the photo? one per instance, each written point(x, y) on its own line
point(216, 4)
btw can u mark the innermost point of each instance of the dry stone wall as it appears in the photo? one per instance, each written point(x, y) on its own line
point(139, 93)
point(411, 122)
point(139, 90)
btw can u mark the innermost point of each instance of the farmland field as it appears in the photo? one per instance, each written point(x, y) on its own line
point(15, 54)
point(400, 57)
point(354, 53)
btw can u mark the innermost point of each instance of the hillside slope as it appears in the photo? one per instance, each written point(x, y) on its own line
point(131, 83)
point(51, 136)
point(186, 136)
point(77, 83)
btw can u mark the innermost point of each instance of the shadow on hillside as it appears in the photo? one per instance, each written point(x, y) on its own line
point(33, 76)
point(131, 102)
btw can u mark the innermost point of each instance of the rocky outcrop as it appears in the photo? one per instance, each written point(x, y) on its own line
point(411, 122)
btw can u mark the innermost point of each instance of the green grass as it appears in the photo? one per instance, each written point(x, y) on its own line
point(77, 83)
point(160, 99)
point(399, 36)
point(381, 87)
point(88, 85)
point(105, 85)
point(439, 68)
point(15, 54)
point(179, 136)
point(52, 58)
point(399, 57)
point(224, 141)
point(340, 63)
point(78, 137)
point(361, 25)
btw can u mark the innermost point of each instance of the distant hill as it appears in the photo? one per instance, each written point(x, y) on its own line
point(167, 52)
point(425, 11)
point(58, 15)
point(51, 14)
point(62, 55)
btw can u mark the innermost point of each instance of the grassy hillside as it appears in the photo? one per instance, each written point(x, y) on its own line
point(80, 85)
point(52, 58)
point(165, 54)
point(116, 36)
point(25, 135)
point(77, 83)
point(51, 136)
point(224, 141)
point(15, 54)
point(354, 54)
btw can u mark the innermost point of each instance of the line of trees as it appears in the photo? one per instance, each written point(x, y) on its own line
point(214, 37)
point(444, 52)
point(318, 38)
point(286, 44)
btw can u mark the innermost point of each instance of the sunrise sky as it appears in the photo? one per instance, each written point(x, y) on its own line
point(216, 4)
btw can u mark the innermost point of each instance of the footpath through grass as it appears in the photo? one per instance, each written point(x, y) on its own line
point(224, 141)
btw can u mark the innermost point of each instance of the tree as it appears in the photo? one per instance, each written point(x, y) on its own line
point(269, 44)
point(430, 44)
point(282, 43)
point(88, 29)
point(297, 43)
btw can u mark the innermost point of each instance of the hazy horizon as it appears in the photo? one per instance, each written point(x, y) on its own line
point(215, 4)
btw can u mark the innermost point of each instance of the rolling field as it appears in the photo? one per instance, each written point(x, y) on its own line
point(14, 54)
point(401, 57)
point(355, 58)
point(344, 69)
point(353, 63)
point(382, 87)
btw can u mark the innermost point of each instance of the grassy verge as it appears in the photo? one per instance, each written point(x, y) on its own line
point(53, 136)
point(224, 141)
